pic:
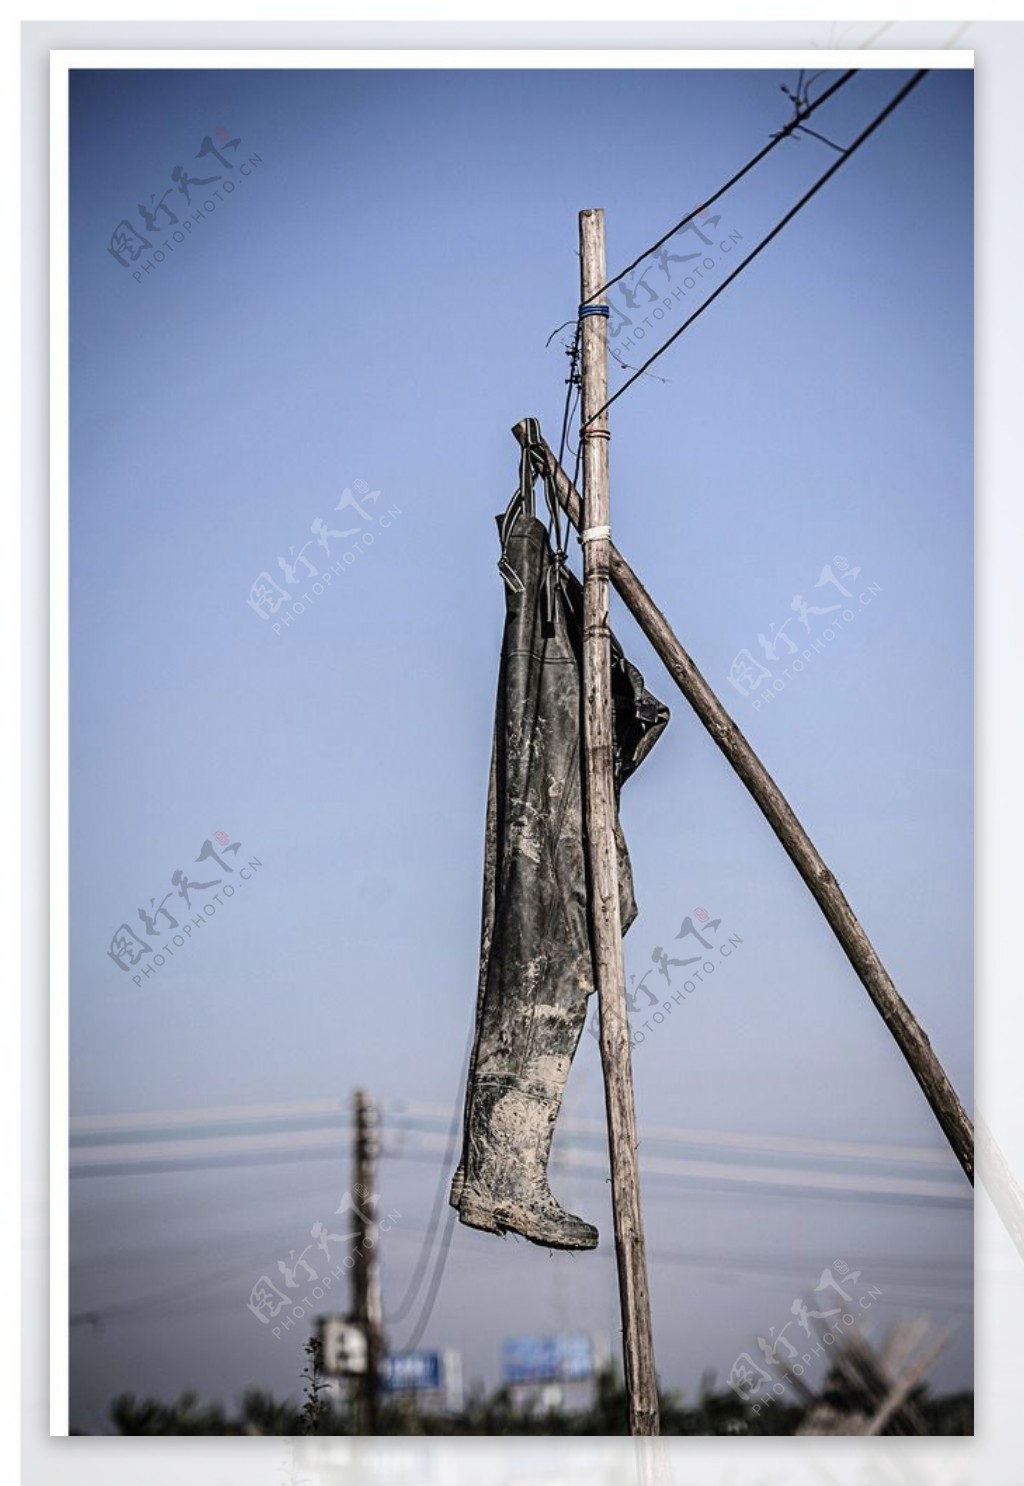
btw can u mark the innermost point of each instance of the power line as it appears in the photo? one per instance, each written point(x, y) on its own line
point(99, 1315)
point(441, 1260)
point(940, 1272)
point(865, 134)
point(444, 1177)
point(811, 1145)
point(673, 1173)
point(149, 1153)
point(435, 1284)
point(803, 111)
point(405, 1305)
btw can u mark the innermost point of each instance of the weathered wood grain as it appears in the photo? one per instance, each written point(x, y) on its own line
point(634, 1295)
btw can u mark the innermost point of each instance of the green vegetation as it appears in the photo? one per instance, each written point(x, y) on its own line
point(712, 1412)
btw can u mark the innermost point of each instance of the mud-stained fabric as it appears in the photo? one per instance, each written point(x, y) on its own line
point(536, 963)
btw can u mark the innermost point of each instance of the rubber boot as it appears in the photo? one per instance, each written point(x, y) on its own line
point(505, 1188)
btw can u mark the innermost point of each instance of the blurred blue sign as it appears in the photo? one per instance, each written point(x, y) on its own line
point(413, 1372)
point(547, 1359)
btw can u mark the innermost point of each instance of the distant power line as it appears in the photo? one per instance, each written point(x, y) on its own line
point(333, 1116)
point(319, 1130)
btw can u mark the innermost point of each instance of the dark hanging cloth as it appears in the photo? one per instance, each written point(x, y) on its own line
point(536, 960)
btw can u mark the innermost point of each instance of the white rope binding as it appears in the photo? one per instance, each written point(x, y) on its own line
point(596, 534)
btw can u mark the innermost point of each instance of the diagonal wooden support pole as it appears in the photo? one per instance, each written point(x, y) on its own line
point(910, 1039)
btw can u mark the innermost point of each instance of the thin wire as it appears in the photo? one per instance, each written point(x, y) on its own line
point(99, 1315)
point(435, 1285)
point(568, 413)
point(824, 139)
point(575, 409)
point(556, 330)
point(405, 1305)
point(625, 365)
point(799, 116)
point(571, 384)
point(576, 475)
point(865, 134)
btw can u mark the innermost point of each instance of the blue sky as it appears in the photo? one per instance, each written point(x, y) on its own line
point(371, 304)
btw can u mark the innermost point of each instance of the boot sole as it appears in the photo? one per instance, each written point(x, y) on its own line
point(489, 1219)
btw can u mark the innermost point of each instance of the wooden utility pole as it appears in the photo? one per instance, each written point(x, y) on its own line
point(606, 923)
point(366, 1303)
point(906, 1031)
